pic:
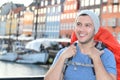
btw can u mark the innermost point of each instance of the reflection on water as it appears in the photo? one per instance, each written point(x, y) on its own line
point(15, 69)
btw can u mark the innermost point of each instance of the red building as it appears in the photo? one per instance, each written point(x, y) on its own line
point(110, 16)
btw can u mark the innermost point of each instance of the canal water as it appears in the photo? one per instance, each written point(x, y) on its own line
point(12, 69)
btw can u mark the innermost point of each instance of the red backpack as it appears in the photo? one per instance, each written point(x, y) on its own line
point(109, 40)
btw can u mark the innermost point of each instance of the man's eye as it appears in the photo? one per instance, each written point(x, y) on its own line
point(88, 25)
point(78, 23)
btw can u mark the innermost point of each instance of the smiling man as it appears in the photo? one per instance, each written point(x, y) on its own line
point(88, 62)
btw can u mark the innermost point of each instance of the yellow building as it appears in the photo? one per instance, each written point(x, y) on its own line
point(11, 24)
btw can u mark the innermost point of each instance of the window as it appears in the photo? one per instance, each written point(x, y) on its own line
point(119, 37)
point(58, 1)
point(112, 22)
point(44, 10)
point(71, 7)
point(39, 11)
point(74, 15)
point(104, 9)
point(48, 10)
point(115, 7)
point(97, 2)
point(82, 3)
point(42, 3)
point(62, 16)
point(118, 21)
point(110, 8)
point(119, 7)
point(92, 2)
point(50, 19)
point(55, 19)
point(103, 22)
point(71, 15)
point(87, 2)
point(75, 6)
point(63, 26)
point(105, 1)
point(68, 16)
point(58, 17)
point(115, 1)
point(97, 11)
point(65, 16)
point(46, 3)
point(68, 7)
point(59, 8)
point(65, 8)
point(39, 19)
point(53, 2)
point(47, 18)
point(44, 18)
point(53, 9)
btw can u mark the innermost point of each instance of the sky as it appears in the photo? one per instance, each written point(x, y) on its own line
point(25, 2)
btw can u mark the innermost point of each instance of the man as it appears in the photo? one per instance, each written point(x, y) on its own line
point(88, 63)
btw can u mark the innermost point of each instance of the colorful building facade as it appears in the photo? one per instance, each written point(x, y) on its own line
point(110, 16)
point(56, 18)
point(54, 10)
point(68, 16)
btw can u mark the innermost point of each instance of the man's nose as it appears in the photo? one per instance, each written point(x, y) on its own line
point(82, 28)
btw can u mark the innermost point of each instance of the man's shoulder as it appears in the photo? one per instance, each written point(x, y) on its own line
point(60, 51)
point(108, 53)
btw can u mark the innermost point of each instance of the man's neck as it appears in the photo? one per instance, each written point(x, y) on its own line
point(86, 47)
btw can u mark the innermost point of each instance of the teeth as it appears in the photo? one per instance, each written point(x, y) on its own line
point(82, 34)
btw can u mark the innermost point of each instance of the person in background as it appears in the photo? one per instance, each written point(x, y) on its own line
point(87, 62)
point(42, 48)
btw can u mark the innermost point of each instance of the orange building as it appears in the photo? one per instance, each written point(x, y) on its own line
point(68, 17)
point(28, 23)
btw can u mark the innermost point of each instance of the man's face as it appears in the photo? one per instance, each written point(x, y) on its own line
point(84, 29)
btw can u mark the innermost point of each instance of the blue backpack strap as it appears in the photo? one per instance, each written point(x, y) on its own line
point(67, 60)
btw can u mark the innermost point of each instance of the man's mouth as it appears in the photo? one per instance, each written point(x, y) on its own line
point(82, 35)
